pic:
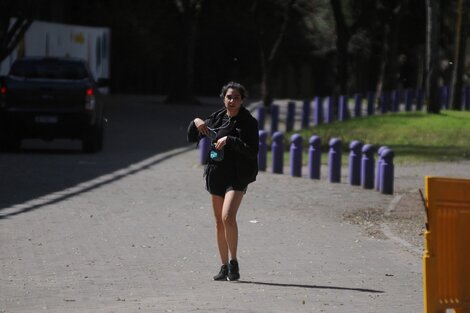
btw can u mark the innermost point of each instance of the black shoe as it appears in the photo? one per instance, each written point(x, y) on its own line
point(222, 274)
point(233, 270)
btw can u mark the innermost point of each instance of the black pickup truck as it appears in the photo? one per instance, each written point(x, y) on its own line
point(51, 98)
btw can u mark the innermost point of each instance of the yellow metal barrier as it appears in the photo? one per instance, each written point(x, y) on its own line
point(446, 260)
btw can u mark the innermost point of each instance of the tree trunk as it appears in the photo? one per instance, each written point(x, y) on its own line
point(11, 36)
point(389, 62)
point(459, 59)
point(383, 63)
point(265, 75)
point(391, 71)
point(266, 59)
point(22, 11)
point(342, 41)
point(182, 87)
point(432, 56)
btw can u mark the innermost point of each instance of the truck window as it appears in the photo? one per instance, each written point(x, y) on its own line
point(49, 69)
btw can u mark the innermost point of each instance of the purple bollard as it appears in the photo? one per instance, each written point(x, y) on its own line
point(466, 105)
point(355, 163)
point(204, 147)
point(396, 95)
point(357, 105)
point(378, 171)
point(367, 167)
point(277, 149)
point(444, 90)
point(314, 157)
point(387, 172)
point(329, 116)
point(385, 102)
point(290, 117)
point(261, 116)
point(274, 118)
point(318, 111)
point(409, 94)
point(262, 151)
point(419, 99)
point(296, 156)
point(370, 103)
point(343, 108)
point(334, 160)
point(306, 114)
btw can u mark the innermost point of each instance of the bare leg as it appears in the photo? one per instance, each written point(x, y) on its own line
point(231, 203)
point(217, 205)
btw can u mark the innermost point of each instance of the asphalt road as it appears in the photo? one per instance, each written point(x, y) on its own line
point(137, 128)
point(130, 229)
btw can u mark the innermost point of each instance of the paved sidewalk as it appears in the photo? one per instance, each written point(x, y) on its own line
point(142, 240)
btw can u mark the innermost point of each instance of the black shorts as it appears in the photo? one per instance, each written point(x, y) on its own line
point(220, 181)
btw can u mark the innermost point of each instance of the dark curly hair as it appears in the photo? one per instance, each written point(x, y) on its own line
point(241, 89)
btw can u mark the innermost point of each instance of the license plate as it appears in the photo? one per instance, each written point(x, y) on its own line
point(45, 119)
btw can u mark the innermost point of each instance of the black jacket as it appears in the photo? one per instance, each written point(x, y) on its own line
point(245, 143)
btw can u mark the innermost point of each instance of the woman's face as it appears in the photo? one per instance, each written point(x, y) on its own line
point(233, 101)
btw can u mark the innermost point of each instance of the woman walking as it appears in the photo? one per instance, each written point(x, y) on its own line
point(232, 164)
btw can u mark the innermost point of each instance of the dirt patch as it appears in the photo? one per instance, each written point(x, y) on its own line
point(369, 218)
point(406, 219)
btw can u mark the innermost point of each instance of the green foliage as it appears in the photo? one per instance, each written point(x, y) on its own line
point(414, 137)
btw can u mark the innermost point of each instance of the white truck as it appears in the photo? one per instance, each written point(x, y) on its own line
point(45, 39)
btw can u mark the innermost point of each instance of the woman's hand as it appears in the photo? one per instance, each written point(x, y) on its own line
point(221, 143)
point(201, 126)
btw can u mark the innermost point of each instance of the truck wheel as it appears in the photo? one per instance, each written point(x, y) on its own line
point(93, 140)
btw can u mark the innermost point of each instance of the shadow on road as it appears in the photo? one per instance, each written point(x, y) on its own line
point(309, 286)
point(138, 128)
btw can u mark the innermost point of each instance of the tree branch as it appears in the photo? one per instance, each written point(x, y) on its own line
point(14, 35)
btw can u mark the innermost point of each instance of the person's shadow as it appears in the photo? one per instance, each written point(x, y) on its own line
point(309, 286)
